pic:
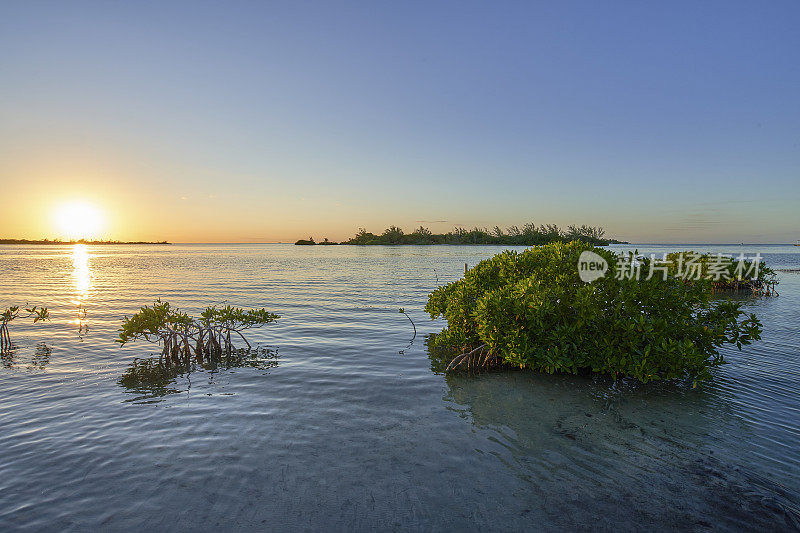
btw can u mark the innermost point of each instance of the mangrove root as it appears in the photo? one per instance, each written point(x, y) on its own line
point(479, 358)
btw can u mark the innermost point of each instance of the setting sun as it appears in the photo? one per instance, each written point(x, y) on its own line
point(79, 220)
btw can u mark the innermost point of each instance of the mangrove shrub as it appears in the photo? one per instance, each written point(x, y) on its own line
point(12, 313)
point(181, 335)
point(530, 309)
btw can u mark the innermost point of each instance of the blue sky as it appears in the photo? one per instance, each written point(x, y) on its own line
point(266, 121)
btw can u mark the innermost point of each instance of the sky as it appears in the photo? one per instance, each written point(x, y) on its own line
point(271, 121)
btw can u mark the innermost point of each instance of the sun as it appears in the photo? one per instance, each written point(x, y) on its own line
point(79, 220)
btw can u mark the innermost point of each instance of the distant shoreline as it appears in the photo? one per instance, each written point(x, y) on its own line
point(527, 235)
point(302, 242)
point(79, 241)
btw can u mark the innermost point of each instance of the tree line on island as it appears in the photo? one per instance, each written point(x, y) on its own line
point(528, 235)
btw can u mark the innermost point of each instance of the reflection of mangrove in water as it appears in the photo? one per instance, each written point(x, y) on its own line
point(439, 356)
point(155, 377)
point(604, 441)
point(10, 360)
point(83, 327)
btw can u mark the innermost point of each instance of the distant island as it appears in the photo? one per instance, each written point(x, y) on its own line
point(311, 241)
point(527, 235)
point(79, 241)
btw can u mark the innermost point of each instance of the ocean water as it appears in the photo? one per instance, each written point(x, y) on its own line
point(339, 422)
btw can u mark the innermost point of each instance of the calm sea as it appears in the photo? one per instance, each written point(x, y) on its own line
point(340, 422)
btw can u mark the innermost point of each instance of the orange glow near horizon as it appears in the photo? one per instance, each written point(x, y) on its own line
point(79, 220)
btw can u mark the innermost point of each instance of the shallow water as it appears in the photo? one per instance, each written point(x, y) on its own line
point(340, 422)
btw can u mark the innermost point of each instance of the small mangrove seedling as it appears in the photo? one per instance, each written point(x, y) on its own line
point(182, 336)
point(403, 312)
point(12, 313)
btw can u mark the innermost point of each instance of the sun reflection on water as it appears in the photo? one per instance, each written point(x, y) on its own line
point(82, 274)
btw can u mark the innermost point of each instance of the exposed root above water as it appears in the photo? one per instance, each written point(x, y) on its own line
point(759, 287)
point(479, 358)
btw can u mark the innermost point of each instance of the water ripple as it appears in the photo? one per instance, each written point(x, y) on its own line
point(344, 431)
